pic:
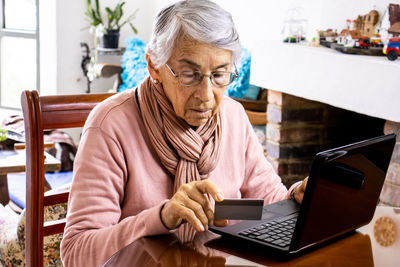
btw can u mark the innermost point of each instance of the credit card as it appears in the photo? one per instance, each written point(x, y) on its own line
point(239, 209)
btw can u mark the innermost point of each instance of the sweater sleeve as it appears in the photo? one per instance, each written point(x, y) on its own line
point(94, 229)
point(261, 181)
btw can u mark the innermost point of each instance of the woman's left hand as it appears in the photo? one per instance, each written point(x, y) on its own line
point(299, 191)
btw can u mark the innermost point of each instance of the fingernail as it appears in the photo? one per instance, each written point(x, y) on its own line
point(220, 197)
point(201, 228)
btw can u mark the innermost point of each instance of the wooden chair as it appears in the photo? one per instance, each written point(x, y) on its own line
point(46, 113)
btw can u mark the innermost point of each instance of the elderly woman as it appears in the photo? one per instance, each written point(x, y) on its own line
point(153, 159)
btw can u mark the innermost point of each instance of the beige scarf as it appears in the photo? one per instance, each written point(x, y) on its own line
point(190, 155)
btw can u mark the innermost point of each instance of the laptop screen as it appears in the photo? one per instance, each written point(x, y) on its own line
point(343, 190)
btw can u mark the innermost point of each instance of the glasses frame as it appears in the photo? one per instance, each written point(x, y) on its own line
point(202, 75)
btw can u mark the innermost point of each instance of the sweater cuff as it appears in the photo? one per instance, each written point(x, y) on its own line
point(292, 188)
point(156, 226)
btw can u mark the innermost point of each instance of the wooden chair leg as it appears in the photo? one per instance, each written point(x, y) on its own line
point(4, 198)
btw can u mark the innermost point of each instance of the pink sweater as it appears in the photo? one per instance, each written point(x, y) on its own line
point(120, 185)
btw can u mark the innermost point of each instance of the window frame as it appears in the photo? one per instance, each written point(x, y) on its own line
point(17, 33)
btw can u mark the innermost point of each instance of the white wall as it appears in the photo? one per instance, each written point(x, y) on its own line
point(263, 19)
point(62, 21)
point(64, 27)
point(255, 20)
point(48, 46)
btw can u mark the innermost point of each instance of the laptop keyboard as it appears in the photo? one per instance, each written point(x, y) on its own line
point(277, 233)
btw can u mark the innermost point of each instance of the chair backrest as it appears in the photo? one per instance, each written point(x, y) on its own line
point(47, 113)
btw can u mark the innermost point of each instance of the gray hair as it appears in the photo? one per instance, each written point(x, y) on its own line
point(202, 20)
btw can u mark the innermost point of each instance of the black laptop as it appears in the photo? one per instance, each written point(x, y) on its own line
point(341, 195)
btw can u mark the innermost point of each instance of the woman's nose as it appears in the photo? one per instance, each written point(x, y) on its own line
point(204, 90)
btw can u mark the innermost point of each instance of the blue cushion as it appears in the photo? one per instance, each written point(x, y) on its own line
point(134, 67)
point(240, 85)
point(17, 181)
point(134, 64)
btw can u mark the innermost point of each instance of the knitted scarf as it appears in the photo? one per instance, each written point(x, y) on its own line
point(189, 155)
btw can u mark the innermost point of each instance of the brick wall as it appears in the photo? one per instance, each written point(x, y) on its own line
point(391, 189)
point(298, 128)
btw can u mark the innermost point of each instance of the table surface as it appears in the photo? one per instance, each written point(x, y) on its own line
point(376, 244)
point(12, 161)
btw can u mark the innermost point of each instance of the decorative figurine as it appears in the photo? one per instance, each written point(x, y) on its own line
point(392, 49)
point(367, 24)
point(315, 40)
point(348, 38)
point(361, 36)
point(390, 18)
point(394, 16)
point(376, 40)
point(365, 36)
point(363, 42)
point(294, 26)
point(330, 35)
point(395, 29)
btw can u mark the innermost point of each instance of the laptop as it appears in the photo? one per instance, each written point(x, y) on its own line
point(343, 190)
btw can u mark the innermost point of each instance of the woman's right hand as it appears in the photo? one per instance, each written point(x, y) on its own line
point(190, 204)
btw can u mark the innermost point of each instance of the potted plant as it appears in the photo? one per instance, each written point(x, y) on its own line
point(3, 134)
point(107, 30)
point(3, 140)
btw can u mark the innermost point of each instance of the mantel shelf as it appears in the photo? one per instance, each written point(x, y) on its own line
point(365, 84)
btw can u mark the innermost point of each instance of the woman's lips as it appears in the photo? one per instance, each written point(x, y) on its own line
point(201, 112)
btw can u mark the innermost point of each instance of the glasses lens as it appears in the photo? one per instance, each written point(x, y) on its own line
point(218, 78)
point(221, 78)
point(189, 77)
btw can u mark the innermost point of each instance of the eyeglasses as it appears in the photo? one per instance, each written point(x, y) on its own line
point(193, 78)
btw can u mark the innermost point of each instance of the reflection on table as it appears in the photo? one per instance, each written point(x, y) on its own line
point(377, 244)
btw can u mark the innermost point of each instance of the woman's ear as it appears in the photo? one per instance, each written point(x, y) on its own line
point(154, 73)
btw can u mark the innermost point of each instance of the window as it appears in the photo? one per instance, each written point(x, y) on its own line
point(19, 50)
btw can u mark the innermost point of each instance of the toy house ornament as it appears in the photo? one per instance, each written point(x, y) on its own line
point(395, 29)
point(388, 28)
point(348, 38)
point(348, 23)
point(368, 23)
point(394, 13)
point(330, 35)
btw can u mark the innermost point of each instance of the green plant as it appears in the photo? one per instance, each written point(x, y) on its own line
point(3, 134)
point(114, 16)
